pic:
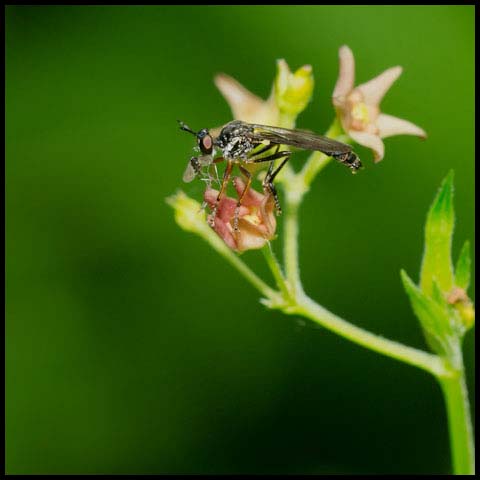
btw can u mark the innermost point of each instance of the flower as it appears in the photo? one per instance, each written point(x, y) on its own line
point(245, 105)
point(289, 96)
point(359, 108)
point(459, 299)
point(256, 218)
point(293, 91)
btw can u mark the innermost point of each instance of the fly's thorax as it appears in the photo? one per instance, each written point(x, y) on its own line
point(237, 148)
point(234, 140)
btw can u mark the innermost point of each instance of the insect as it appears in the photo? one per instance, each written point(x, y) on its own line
point(247, 145)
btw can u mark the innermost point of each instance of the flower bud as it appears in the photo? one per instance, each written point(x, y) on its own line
point(188, 213)
point(293, 90)
point(458, 298)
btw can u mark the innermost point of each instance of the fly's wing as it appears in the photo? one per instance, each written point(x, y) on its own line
point(189, 173)
point(194, 165)
point(298, 138)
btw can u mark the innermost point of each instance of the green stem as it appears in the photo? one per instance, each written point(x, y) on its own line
point(245, 270)
point(291, 299)
point(301, 304)
point(459, 423)
point(296, 185)
point(190, 216)
point(290, 250)
point(427, 361)
point(276, 270)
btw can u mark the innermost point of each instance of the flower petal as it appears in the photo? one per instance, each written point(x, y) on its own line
point(390, 126)
point(293, 91)
point(267, 213)
point(369, 140)
point(374, 90)
point(346, 76)
point(256, 218)
point(249, 236)
point(226, 207)
point(224, 231)
point(244, 104)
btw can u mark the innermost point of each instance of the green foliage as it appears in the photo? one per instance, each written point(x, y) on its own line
point(130, 346)
point(438, 240)
point(440, 303)
point(462, 269)
point(433, 318)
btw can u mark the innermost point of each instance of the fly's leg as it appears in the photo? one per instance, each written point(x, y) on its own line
point(263, 149)
point(254, 158)
point(248, 176)
point(214, 163)
point(271, 187)
point(226, 178)
point(210, 176)
point(271, 174)
point(213, 171)
point(271, 158)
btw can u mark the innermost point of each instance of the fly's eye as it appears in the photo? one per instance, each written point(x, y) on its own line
point(205, 142)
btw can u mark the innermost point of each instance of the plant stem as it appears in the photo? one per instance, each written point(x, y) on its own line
point(459, 423)
point(449, 372)
point(296, 186)
point(276, 270)
point(299, 303)
point(290, 251)
point(427, 361)
point(190, 216)
point(245, 270)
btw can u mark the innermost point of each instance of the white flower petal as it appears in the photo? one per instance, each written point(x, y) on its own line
point(374, 90)
point(371, 141)
point(244, 104)
point(346, 76)
point(390, 126)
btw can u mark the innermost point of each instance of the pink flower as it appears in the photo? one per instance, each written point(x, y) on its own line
point(359, 108)
point(256, 218)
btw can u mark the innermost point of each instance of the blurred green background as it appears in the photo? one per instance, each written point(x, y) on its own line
point(131, 347)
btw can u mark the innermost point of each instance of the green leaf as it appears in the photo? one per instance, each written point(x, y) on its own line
point(456, 325)
point(433, 318)
point(437, 295)
point(463, 267)
point(437, 262)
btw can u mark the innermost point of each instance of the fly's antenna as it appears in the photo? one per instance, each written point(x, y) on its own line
point(186, 128)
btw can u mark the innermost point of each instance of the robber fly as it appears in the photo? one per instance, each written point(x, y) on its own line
point(248, 144)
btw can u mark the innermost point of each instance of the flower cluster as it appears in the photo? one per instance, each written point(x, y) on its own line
point(247, 220)
point(256, 218)
point(357, 108)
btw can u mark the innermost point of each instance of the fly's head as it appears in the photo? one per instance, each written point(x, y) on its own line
point(204, 139)
point(205, 145)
